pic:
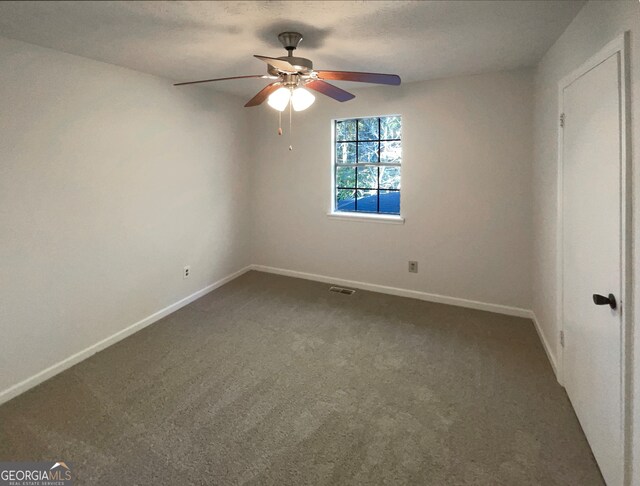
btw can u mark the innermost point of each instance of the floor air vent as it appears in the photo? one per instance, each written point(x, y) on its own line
point(340, 290)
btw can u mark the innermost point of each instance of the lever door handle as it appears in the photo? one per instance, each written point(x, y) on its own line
point(602, 300)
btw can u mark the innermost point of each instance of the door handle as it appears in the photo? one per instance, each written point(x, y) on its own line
point(602, 300)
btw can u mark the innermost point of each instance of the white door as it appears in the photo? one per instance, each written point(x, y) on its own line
point(592, 246)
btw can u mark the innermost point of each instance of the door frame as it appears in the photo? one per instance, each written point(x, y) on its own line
point(617, 45)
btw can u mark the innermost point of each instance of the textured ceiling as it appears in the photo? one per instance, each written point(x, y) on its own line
point(185, 41)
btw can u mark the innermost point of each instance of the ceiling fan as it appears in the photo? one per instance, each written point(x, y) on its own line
point(291, 76)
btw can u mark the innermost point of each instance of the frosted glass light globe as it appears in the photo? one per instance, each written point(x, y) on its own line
point(301, 99)
point(279, 99)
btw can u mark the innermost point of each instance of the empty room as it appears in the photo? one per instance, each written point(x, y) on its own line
point(320, 242)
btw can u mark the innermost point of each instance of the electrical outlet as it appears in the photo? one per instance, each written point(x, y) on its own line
point(186, 272)
point(413, 267)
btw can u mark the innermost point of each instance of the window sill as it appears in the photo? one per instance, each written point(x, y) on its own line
point(367, 218)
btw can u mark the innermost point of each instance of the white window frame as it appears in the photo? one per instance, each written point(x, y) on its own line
point(354, 215)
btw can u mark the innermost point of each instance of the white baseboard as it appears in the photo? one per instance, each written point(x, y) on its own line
point(59, 367)
point(547, 348)
point(414, 294)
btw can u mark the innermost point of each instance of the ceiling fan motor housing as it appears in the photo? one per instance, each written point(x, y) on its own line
point(300, 64)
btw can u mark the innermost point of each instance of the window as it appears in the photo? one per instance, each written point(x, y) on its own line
point(367, 165)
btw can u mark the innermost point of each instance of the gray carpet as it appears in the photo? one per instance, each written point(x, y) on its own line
point(274, 380)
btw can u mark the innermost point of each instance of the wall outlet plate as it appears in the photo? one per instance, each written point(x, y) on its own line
point(413, 267)
point(186, 271)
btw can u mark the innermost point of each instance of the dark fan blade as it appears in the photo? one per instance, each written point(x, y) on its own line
point(221, 79)
point(376, 78)
point(329, 90)
point(278, 63)
point(262, 95)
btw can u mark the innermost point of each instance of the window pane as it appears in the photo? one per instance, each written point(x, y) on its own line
point(389, 202)
point(346, 130)
point(367, 177)
point(368, 201)
point(368, 129)
point(367, 152)
point(376, 188)
point(390, 127)
point(345, 153)
point(346, 177)
point(389, 177)
point(345, 200)
point(390, 152)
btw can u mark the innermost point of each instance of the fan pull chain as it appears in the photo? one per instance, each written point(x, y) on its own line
point(280, 123)
point(290, 129)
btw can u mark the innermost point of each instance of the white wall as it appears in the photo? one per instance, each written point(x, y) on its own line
point(595, 25)
point(466, 191)
point(110, 182)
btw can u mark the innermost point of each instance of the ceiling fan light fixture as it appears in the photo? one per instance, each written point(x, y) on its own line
point(279, 99)
point(301, 99)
